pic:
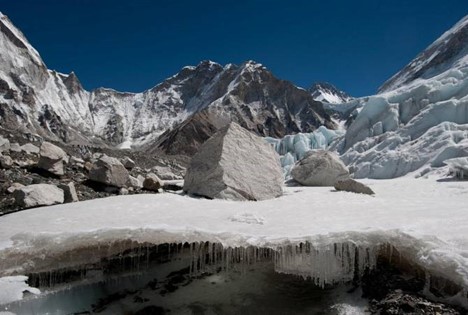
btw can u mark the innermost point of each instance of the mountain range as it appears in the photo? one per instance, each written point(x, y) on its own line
point(424, 103)
point(36, 99)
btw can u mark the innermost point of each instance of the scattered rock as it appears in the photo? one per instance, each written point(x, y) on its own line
point(6, 161)
point(30, 148)
point(4, 144)
point(165, 173)
point(88, 166)
point(75, 160)
point(141, 179)
point(13, 187)
point(52, 158)
point(319, 168)
point(128, 163)
point(69, 192)
point(352, 185)
point(399, 302)
point(235, 164)
point(134, 182)
point(152, 182)
point(15, 147)
point(123, 191)
point(38, 195)
point(109, 171)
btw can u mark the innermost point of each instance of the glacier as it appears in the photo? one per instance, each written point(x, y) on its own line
point(292, 148)
point(311, 231)
point(418, 120)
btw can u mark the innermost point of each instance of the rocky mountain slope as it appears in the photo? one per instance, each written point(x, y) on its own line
point(328, 93)
point(37, 100)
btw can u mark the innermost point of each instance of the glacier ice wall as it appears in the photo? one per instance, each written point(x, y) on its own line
point(418, 125)
point(292, 148)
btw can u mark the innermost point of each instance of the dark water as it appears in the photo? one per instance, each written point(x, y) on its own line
point(173, 288)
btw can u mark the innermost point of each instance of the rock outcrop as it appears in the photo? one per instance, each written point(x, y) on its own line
point(353, 186)
point(235, 164)
point(109, 171)
point(52, 159)
point(5, 161)
point(38, 195)
point(319, 168)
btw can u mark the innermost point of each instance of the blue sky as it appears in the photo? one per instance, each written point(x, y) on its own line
point(133, 45)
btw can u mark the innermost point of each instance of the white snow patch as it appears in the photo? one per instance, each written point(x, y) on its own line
point(12, 288)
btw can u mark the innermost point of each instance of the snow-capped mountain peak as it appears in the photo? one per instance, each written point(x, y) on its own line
point(328, 93)
point(448, 50)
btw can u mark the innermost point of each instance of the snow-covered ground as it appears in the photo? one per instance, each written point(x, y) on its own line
point(426, 219)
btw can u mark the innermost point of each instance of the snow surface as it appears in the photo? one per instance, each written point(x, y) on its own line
point(425, 219)
point(12, 289)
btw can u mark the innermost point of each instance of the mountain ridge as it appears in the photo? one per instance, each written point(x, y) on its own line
point(56, 105)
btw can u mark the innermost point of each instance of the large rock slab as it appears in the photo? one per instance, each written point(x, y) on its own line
point(38, 195)
point(235, 164)
point(352, 185)
point(108, 170)
point(4, 144)
point(52, 158)
point(319, 168)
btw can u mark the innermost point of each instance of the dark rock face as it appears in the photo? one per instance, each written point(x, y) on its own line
point(255, 100)
point(186, 138)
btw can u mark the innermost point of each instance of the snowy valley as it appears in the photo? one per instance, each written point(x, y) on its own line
point(224, 188)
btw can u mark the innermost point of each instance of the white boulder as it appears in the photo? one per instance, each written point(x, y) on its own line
point(237, 165)
point(52, 158)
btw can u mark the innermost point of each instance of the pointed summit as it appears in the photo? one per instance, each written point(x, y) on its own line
point(328, 93)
